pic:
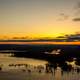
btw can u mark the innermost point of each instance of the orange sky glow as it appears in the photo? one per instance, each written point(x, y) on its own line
point(55, 43)
point(30, 19)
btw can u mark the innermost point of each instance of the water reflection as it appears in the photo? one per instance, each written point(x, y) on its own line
point(67, 70)
point(64, 71)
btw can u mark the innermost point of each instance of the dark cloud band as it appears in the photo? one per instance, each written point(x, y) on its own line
point(76, 19)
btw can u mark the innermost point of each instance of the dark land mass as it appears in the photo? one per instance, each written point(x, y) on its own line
point(37, 51)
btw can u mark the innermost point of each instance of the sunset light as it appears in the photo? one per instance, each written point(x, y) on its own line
point(38, 18)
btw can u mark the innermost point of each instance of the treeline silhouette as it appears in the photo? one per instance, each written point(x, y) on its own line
point(68, 52)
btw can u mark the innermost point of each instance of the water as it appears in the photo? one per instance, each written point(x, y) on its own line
point(22, 66)
point(6, 60)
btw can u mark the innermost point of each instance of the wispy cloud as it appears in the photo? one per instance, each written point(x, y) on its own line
point(73, 36)
point(77, 8)
point(76, 19)
point(63, 16)
point(78, 5)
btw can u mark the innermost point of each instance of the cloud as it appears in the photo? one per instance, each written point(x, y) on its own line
point(76, 19)
point(63, 16)
point(77, 8)
point(78, 5)
point(73, 36)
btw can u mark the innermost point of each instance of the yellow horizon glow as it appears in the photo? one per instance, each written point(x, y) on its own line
point(33, 36)
point(37, 19)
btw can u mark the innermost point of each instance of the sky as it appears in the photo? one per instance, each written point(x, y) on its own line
point(39, 18)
